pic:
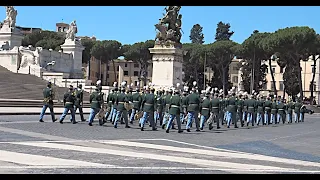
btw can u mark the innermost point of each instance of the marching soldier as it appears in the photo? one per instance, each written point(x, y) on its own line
point(108, 115)
point(221, 110)
point(183, 111)
point(159, 111)
point(174, 111)
point(69, 101)
point(215, 105)
point(232, 110)
point(121, 110)
point(79, 102)
point(166, 113)
point(245, 107)
point(130, 99)
point(114, 98)
point(251, 108)
point(260, 111)
point(267, 111)
point(193, 103)
point(274, 109)
point(290, 107)
point(281, 111)
point(137, 100)
point(148, 106)
point(96, 100)
point(205, 108)
point(297, 112)
point(240, 109)
point(48, 96)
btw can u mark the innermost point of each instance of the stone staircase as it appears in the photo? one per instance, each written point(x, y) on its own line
point(25, 86)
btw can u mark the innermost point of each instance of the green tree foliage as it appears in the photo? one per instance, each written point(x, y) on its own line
point(251, 51)
point(45, 39)
point(193, 64)
point(223, 31)
point(139, 53)
point(196, 35)
point(106, 50)
point(88, 44)
point(293, 43)
point(220, 55)
point(291, 80)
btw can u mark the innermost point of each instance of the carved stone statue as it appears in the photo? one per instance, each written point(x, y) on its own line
point(11, 15)
point(72, 30)
point(169, 26)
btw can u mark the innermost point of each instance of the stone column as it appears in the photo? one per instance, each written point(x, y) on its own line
point(75, 48)
point(167, 66)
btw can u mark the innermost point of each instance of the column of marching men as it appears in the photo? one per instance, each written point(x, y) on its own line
point(176, 106)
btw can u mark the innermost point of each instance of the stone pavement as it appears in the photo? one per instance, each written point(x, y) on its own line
point(27, 146)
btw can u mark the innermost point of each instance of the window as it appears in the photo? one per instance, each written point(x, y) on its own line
point(234, 79)
point(59, 29)
point(314, 87)
point(267, 69)
point(136, 65)
point(135, 83)
point(312, 70)
point(126, 73)
point(281, 69)
point(64, 29)
point(125, 65)
point(281, 85)
point(273, 70)
point(136, 73)
point(108, 68)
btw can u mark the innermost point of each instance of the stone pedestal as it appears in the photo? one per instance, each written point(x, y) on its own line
point(75, 48)
point(167, 66)
point(11, 35)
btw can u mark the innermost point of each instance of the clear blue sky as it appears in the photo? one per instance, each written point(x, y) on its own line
point(130, 24)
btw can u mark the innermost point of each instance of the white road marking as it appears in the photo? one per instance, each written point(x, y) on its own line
point(285, 137)
point(215, 153)
point(37, 160)
point(199, 162)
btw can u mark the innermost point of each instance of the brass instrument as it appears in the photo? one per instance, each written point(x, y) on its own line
point(138, 115)
point(210, 119)
point(54, 94)
point(102, 111)
point(128, 106)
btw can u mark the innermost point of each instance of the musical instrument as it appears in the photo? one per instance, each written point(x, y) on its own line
point(138, 115)
point(128, 106)
point(210, 119)
point(103, 110)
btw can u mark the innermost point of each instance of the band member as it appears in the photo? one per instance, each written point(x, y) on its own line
point(69, 101)
point(290, 107)
point(232, 110)
point(166, 113)
point(267, 111)
point(115, 95)
point(193, 103)
point(174, 111)
point(215, 105)
point(137, 100)
point(281, 111)
point(79, 102)
point(121, 110)
point(205, 108)
point(240, 109)
point(183, 112)
point(297, 113)
point(159, 112)
point(251, 108)
point(260, 110)
point(48, 96)
point(245, 107)
point(274, 109)
point(110, 111)
point(96, 99)
point(148, 106)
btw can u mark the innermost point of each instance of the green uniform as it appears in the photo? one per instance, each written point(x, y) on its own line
point(274, 109)
point(215, 106)
point(260, 111)
point(137, 100)
point(79, 97)
point(193, 103)
point(251, 104)
point(48, 96)
point(167, 102)
point(205, 107)
point(121, 99)
point(290, 107)
point(240, 105)
point(148, 106)
point(184, 104)
point(267, 110)
point(69, 100)
point(281, 111)
point(95, 100)
point(297, 111)
point(232, 109)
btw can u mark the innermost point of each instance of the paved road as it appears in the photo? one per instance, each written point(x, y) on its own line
point(27, 146)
